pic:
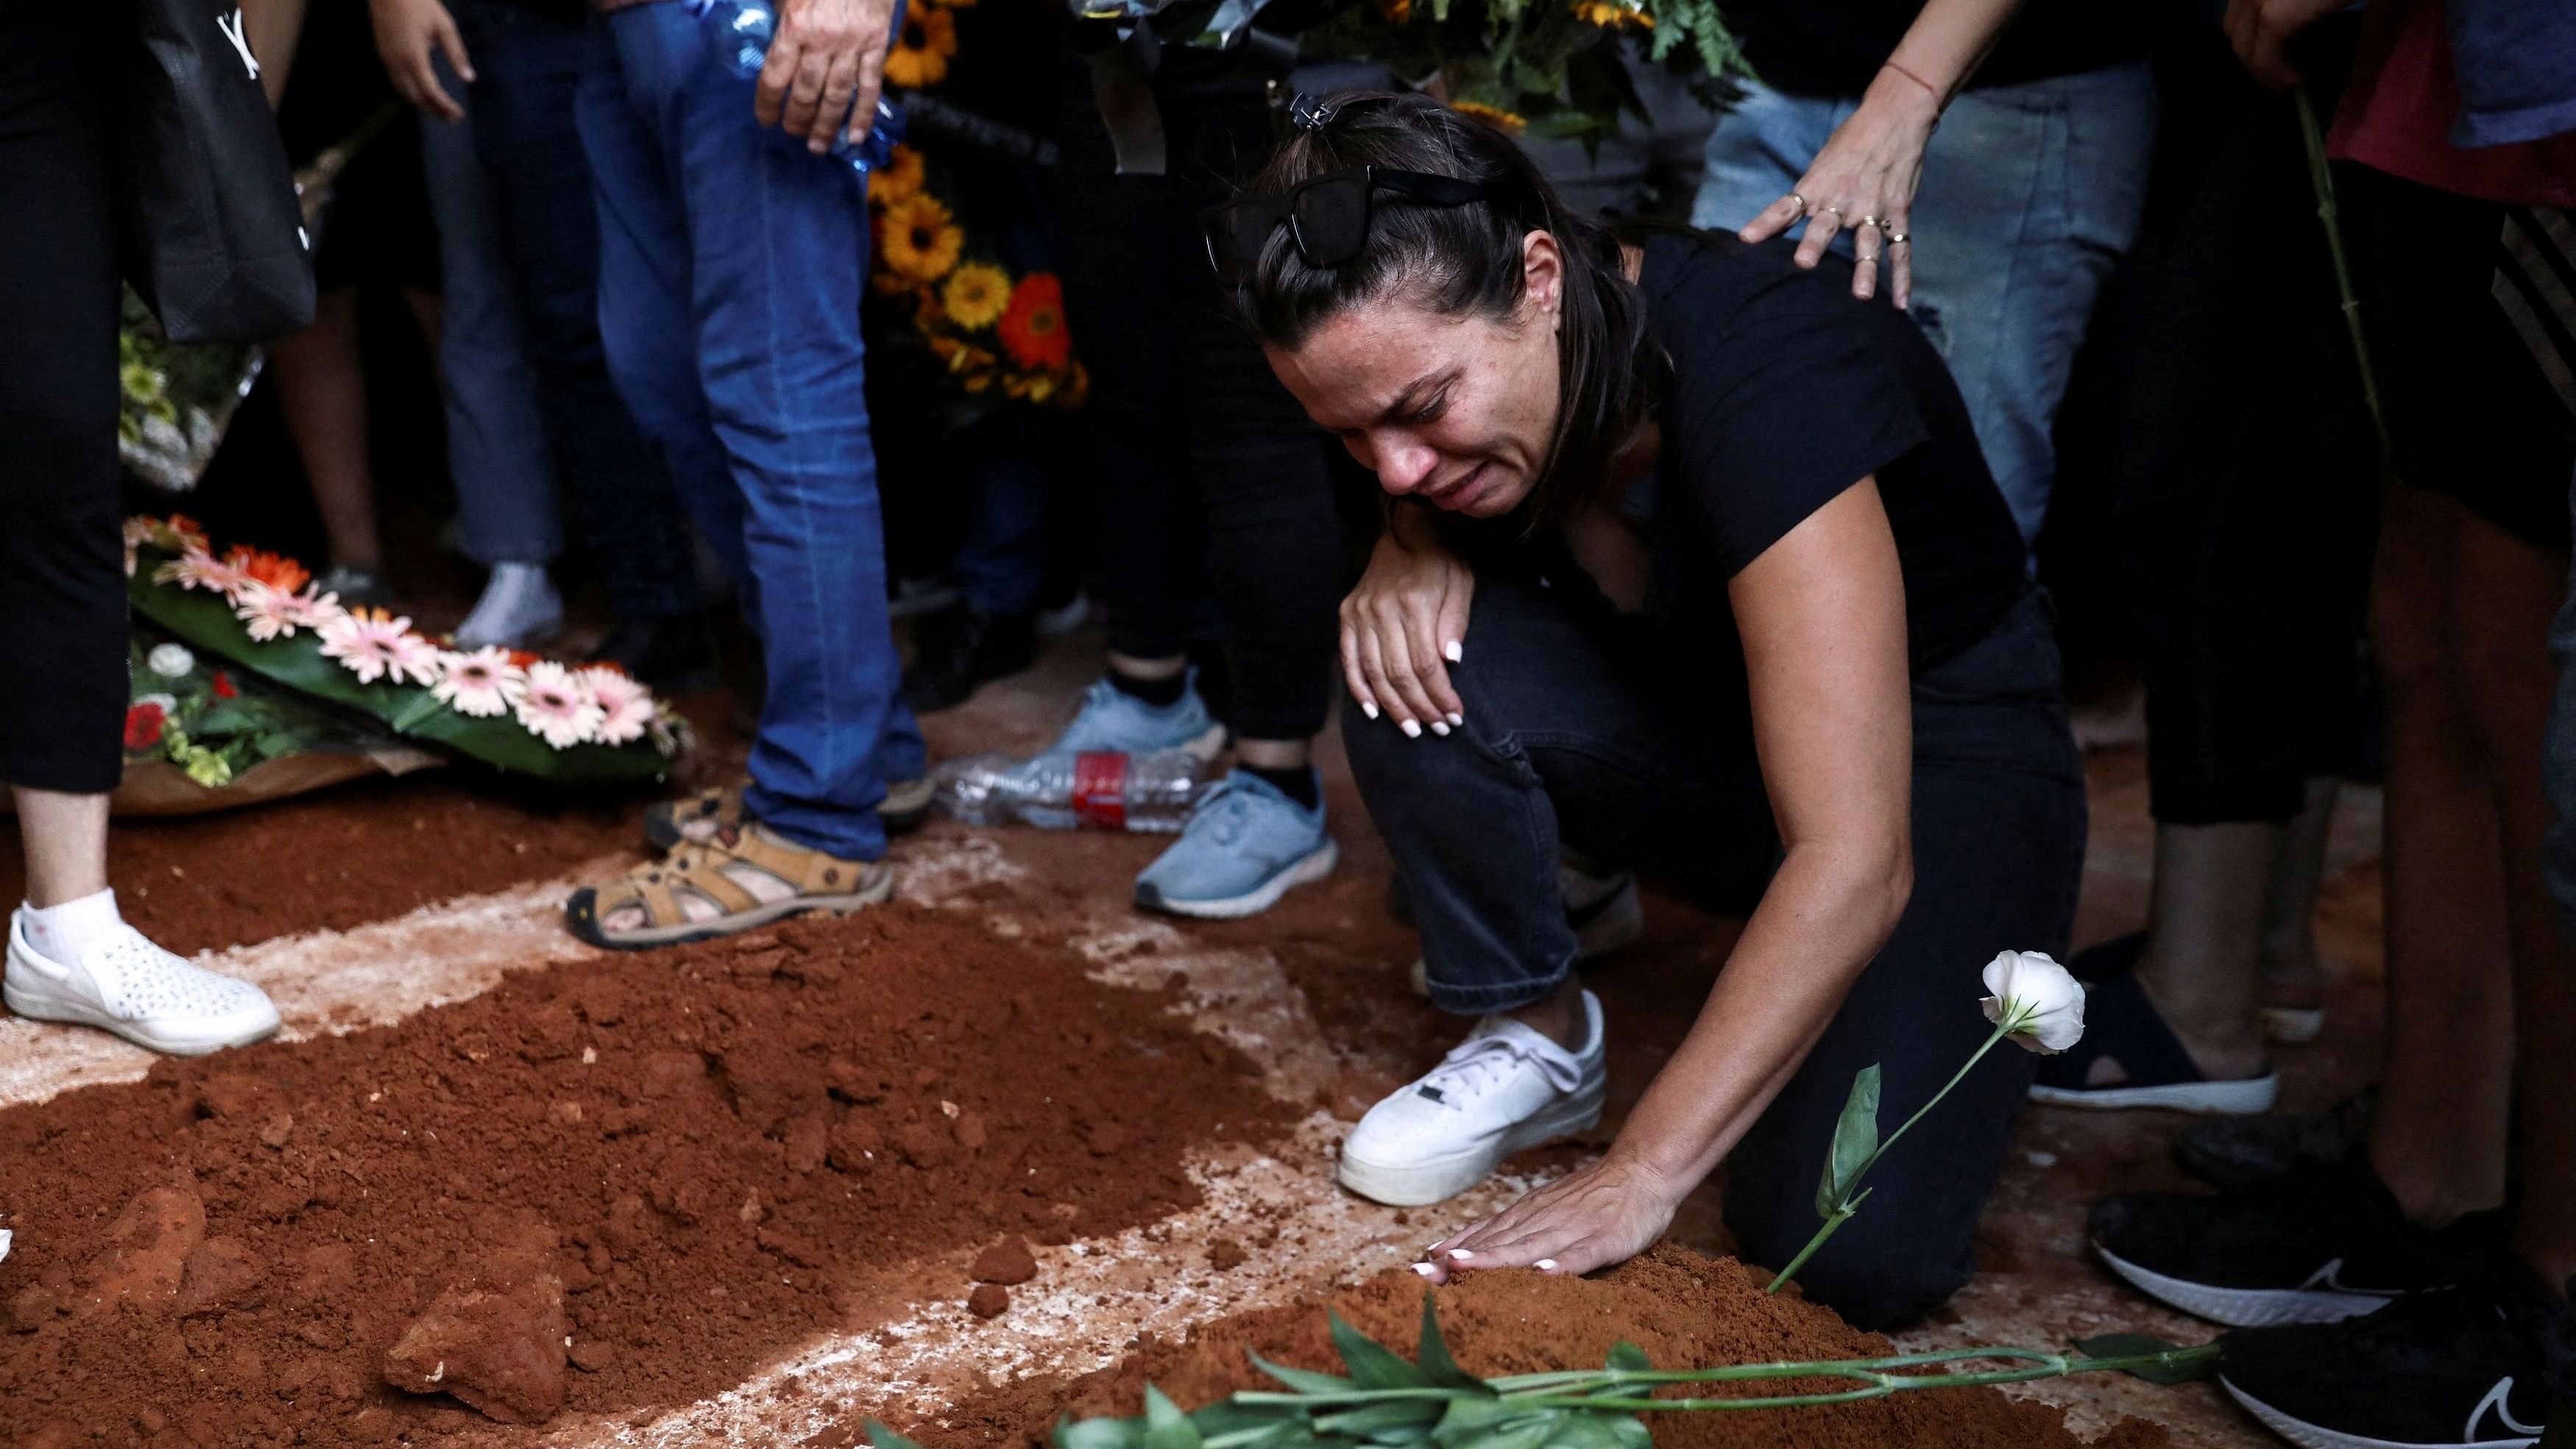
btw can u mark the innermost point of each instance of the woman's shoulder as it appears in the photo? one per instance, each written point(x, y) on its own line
point(1706, 287)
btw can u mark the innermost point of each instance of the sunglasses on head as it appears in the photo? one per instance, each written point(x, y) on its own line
point(1327, 217)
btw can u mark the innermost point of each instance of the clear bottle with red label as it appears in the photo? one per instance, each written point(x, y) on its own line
point(1061, 791)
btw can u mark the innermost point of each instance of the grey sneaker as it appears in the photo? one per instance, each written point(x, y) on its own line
point(519, 609)
point(1114, 722)
point(1245, 845)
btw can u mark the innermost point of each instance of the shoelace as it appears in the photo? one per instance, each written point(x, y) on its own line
point(1222, 811)
point(1483, 1060)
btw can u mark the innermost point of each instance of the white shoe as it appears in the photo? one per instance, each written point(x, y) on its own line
point(1504, 1088)
point(518, 610)
point(125, 984)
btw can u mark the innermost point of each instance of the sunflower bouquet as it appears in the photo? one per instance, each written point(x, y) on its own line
point(517, 711)
point(995, 331)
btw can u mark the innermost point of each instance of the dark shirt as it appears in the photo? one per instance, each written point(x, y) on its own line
point(1835, 47)
point(1785, 391)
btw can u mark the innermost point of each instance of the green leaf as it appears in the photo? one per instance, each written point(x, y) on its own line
point(1541, 1429)
point(885, 1438)
point(1433, 1356)
point(1304, 1381)
point(1099, 1433)
point(1599, 1429)
point(1470, 1415)
point(1370, 1421)
point(1166, 1427)
point(2139, 1345)
point(1855, 1139)
point(1372, 1366)
point(1626, 1357)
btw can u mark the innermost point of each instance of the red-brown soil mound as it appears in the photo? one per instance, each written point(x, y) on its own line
point(1684, 1310)
point(721, 1140)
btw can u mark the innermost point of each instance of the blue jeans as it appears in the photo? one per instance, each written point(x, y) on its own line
point(496, 440)
point(1001, 565)
point(2031, 193)
point(528, 66)
point(1579, 733)
point(731, 267)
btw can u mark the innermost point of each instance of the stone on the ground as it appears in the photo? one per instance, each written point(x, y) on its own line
point(497, 1337)
point(1008, 1261)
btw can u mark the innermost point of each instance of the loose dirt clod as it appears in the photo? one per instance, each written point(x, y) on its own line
point(496, 1339)
point(989, 1300)
point(1008, 1261)
point(1225, 1255)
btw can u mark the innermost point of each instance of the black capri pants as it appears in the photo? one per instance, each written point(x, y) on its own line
point(62, 575)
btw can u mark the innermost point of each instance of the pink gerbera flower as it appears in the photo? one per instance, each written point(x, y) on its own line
point(269, 614)
point(373, 645)
point(197, 569)
point(625, 707)
point(482, 684)
point(556, 706)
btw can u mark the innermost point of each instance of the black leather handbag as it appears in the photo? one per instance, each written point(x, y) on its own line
point(208, 224)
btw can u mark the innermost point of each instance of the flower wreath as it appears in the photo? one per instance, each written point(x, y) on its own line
point(581, 723)
point(993, 331)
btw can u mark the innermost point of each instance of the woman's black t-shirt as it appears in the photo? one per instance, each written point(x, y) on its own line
point(1786, 390)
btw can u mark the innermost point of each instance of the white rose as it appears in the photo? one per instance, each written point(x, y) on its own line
point(2036, 1000)
point(170, 661)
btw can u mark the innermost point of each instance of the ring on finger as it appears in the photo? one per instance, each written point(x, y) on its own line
point(1898, 239)
point(1836, 210)
point(1870, 221)
point(1802, 202)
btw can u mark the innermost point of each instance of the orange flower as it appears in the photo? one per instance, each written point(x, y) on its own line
point(1395, 12)
point(1611, 14)
point(975, 295)
point(920, 55)
point(275, 570)
point(899, 178)
point(1494, 116)
point(1032, 328)
point(918, 240)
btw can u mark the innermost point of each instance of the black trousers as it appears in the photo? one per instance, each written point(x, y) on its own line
point(1211, 477)
point(1576, 735)
point(2248, 498)
point(62, 575)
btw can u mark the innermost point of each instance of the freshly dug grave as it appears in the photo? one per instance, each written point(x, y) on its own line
point(1684, 1310)
point(684, 1162)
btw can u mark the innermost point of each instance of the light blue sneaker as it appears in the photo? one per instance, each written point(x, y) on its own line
point(1245, 845)
point(1113, 722)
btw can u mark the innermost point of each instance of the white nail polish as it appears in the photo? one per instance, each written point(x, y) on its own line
point(1412, 731)
point(1453, 651)
point(1545, 1265)
point(1425, 1269)
point(1368, 709)
point(1439, 727)
point(1461, 1254)
point(1457, 719)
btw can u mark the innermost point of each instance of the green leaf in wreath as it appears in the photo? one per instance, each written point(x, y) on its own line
point(1469, 1415)
point(1304, 1381)
point(1394, 1421)
point(1855, 1140)
point(1626, 1357)
point(1599, 1429)
point(1434, 1359)
point(2141, 1345)
point(1166, 1427)
point(1372, 1366)
point(1099, 1433)
point(885, 1438)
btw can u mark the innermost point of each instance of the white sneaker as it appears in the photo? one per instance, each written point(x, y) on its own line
point(1504, 1088)
point(519, 609)
point(125, 984)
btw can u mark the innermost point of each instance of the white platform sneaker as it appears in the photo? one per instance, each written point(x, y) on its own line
point(125, 984)
point(1505, 1088)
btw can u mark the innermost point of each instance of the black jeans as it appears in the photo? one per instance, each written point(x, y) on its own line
point(528, 63)
point(62, 579)
point(1210, 474)
point(1574, 736)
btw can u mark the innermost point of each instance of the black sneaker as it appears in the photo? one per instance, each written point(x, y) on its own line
point(2238, 1152)
point(2321, 1243)
point(674, 654)
point(959, 650)
point(2456, 1366)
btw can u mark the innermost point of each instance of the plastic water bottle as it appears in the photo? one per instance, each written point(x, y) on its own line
point(1061, 790)
point(739, 31)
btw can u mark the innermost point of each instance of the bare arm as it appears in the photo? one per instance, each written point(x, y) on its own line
point(271, 28)
point(1822, 615)
point(1870, 166)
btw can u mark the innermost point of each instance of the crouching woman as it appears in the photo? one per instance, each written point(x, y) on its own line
point(1694, 567)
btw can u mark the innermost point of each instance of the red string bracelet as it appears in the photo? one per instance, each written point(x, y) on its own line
point(1928, 88)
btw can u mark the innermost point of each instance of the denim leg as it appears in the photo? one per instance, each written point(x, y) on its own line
point(528, 66)
point(1998, 831)
point(496, 441)
point(2031, 193)
point(1001, 566)
point(1758, 150)
point(2558, 761)
point(777, 257)
point(1562, 744)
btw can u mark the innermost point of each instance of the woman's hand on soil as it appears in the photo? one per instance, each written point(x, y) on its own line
point(1602, 1214)
point(1406, 616)
point(1864, 181)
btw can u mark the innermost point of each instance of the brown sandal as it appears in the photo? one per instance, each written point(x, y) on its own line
point(668, 824)
point(817, 882)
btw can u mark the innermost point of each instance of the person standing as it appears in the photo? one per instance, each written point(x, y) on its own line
point(733, 255)
point(71, 956)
